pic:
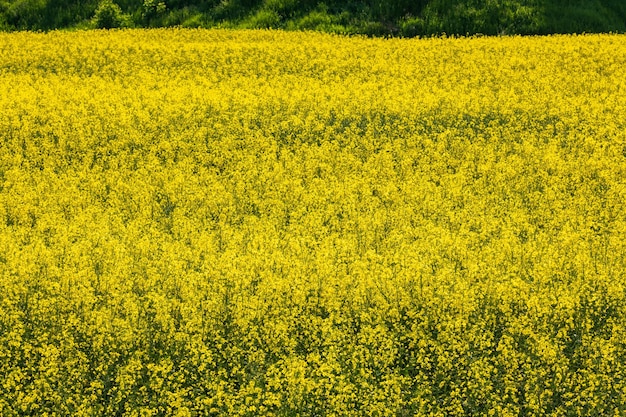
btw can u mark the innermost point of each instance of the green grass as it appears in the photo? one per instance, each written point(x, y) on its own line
point(370, 17)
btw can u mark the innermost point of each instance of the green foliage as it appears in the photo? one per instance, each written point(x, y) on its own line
point(489, 17)
point(406, 18)
point(23, 14)
point(186, 17)
point(109, 15)
point(321, 20)
point(584, 16)
point(283, 7)
point(4, 26)
point(263, 19)
point(391, 11)
point(153, 12)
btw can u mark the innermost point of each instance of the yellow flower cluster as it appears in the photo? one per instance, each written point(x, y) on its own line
point(243, 223)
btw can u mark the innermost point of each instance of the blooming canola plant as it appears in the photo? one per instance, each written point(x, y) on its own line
point(214, 222)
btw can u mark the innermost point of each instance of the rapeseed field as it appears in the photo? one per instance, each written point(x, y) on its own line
point(259, 223)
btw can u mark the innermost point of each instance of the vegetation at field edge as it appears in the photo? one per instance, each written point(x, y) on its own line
point(405, 18)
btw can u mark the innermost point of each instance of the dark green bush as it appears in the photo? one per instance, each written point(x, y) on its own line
point(23, 14)
point(153, 12)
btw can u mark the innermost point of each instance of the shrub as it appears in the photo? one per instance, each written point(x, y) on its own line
point(263, 19)
point(109, 15)
point(153, 12)
point(412, 26)
point(315, 20)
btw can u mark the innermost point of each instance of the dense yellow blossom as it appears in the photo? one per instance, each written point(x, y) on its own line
point(241, 223)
